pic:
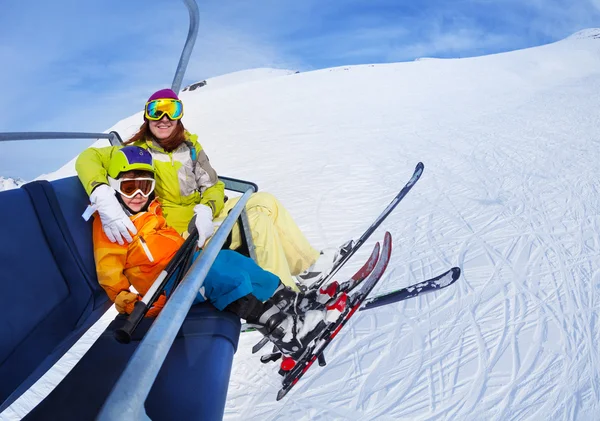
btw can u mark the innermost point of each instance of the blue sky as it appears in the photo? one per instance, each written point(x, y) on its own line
point(84, 65)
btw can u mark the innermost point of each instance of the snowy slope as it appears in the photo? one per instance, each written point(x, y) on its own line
point(510, 194)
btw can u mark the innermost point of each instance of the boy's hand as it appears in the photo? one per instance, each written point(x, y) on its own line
point(115, 223)
point(157, 307)
point(125, 301)
point(204, 223)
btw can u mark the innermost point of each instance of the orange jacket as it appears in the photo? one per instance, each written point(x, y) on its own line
point(138, 263)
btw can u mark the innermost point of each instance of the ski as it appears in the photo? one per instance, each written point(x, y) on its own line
point(441, 281)
point(315, 351)
point(362, 273)
point(346, 286)
point(433, 284)
point(350, 248)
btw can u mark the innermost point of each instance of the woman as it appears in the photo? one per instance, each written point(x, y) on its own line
point(234, 282)
point(188, 186)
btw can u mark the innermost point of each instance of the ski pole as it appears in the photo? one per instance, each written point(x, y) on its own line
point(124, 333)
point(371, 229)
point(183, 268)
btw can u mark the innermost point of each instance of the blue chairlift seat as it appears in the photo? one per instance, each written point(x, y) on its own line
point(51, 297)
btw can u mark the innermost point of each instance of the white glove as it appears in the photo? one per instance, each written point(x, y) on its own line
point(115, 221)
point(204, 223)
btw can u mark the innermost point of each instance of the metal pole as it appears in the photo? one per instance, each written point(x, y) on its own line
point(8, 136)
point(247, 233)
point(126, 400)
point(189, 44)
point(115, 139)
point(241, 186)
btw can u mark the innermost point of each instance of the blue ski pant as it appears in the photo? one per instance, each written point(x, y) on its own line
point(231, 277)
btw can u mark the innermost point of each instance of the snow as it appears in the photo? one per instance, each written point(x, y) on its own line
point(7, 183)
point(509, 194)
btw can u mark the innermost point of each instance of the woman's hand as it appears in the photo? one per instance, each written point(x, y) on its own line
point(115, 222)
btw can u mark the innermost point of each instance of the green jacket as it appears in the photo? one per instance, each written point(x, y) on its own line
point(184, 178)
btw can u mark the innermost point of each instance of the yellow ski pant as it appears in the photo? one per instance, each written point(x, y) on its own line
point(281, 248)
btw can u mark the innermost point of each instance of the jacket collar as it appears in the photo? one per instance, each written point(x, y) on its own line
point(154, 145)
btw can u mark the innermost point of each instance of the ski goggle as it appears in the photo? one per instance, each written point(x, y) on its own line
point(129, 187)
point(155, 110)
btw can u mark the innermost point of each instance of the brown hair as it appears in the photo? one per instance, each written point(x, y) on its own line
point(169, 144)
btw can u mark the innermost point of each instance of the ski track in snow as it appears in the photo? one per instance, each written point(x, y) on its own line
point(516, 337)
point(509, 194)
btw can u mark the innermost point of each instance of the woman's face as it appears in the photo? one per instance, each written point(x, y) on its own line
point(163, 128)
point(136, 203)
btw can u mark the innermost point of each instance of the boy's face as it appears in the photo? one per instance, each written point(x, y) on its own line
point(137, 202)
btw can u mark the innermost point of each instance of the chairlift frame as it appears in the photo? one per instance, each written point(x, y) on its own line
point(129, 394)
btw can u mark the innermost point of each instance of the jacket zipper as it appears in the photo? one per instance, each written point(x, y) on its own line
point(146, 250)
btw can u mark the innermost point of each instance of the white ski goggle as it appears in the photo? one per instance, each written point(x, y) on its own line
point(129, 187)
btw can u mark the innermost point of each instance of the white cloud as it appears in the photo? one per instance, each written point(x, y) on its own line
point(76, 65)
point(455, 42)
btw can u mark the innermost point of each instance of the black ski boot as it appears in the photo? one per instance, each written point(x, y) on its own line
point(290, 333)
